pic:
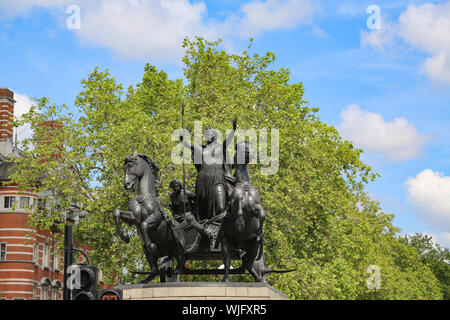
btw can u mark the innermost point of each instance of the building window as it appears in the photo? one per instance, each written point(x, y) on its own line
point(36, 253)
point(46, 289)
point(44, 292)
point(46, 254)
point(56, 262)
point(41, 204)
point(24, 202)
point(55, 294)
point(56, 289)
point(9, 202)
point(2, 251)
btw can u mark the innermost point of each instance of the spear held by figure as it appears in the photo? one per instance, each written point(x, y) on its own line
point(184, 169)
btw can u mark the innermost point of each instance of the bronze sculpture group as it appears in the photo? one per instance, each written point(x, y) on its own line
point(224, 218)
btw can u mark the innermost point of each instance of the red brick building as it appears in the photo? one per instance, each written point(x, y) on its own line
point(29, 267)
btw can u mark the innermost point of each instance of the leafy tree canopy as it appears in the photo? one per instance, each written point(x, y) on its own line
point(434, 256)
point(319, 218)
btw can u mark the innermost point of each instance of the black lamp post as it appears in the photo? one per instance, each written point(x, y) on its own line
point(68, 259)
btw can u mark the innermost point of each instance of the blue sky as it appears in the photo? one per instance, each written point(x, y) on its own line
point(387, 88)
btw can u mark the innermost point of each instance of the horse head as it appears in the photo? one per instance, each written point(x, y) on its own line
point(135, 167)
point(243, 205)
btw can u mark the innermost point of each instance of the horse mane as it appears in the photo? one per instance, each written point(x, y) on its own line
point(155, 169)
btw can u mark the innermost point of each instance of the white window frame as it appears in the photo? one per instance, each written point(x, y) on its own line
point(55, 293)
point(56, 262)
point(10, 205)
point(44, 292)
point(21, 204)
point(46, 255)
point(36, 253)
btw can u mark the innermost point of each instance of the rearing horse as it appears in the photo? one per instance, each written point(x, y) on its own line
point(153, 225)
point(242, 227)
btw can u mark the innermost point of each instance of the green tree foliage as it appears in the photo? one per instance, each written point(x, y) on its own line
point(434, 256)
point(319, 218)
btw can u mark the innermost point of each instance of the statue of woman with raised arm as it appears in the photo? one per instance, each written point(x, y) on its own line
point(214, 174)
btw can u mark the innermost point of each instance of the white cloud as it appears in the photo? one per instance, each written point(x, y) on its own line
point(155, 28)
point(23, 105)
point(438, 67)
point(426, 28)
point(398, 139)
point(429, 194)
point(443, 239)
point(379, 38)
point(260, 16)
point(138, 29)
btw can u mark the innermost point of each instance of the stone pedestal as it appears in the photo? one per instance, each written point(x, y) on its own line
point(201, 291)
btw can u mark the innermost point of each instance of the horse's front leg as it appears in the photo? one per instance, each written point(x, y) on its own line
point(146, 225)
point(227, 250)
point(148, 253)
point(127, 217)
point(180, 265)
point(251, 251)
point(166, 269)
point(152, 258)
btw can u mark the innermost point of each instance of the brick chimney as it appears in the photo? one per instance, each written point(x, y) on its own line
point(6, 114)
